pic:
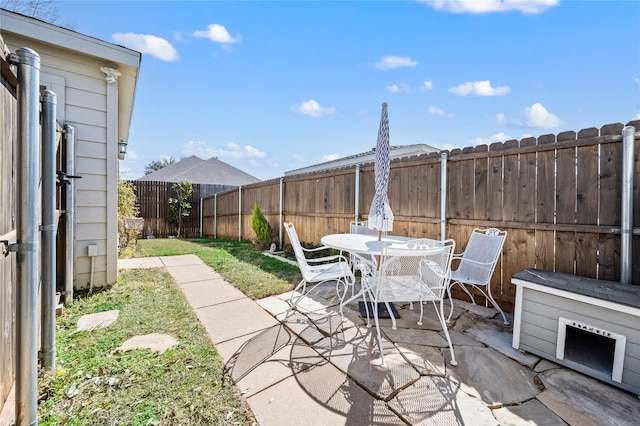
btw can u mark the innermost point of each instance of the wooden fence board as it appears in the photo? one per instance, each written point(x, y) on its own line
point(610, 183)
point(587, 254)
point(566, 185)
point(525, 210)
point(586, 185)
point(565, 252)
point(481, 188)
point(545, 194)
point(545, 250)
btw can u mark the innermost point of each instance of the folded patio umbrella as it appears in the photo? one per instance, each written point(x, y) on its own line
point(380, 214)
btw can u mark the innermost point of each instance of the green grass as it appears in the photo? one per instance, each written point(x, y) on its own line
point(253, 273)
point(95, 384)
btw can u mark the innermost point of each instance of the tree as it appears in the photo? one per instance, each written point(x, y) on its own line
point(45, 10)
point(180, 205)
point(156, 165)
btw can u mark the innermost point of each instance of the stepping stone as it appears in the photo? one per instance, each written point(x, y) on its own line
point(99, 320)
point(155, 341)
point(490, 376)
point(531, 413)
point(438, 401)
point(582, 400)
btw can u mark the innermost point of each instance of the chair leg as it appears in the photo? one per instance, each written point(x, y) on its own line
point(464, 288)
point(302, 284)
point(440, 313)
point(490, 297)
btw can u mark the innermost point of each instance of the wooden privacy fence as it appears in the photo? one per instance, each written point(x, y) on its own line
point(558, 196)
point(153, 202)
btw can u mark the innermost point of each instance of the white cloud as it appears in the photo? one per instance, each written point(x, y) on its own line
point(526, 7)
point(538, 117)
point(479, 88)
point(501, 118)
point(394, 88)
point(439, 112)
point(330, 157)
point(313, 109)
point(131, 155)
point(230, 151)
point(426, 86)
point(147, 44)
point(636, 117)
point(498, 137)
point(216, 33)
point(390, 62)
point(296, 158)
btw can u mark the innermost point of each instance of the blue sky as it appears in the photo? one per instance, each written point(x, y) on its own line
point(273, 86)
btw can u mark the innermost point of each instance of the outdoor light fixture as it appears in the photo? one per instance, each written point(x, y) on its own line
point(122, 149)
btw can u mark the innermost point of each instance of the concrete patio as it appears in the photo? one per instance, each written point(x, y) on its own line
point(315, 369)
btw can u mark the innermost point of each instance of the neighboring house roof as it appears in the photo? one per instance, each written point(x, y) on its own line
point(196, 170)
point(398, 151)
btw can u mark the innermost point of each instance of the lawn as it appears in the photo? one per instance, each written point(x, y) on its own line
point(96, 384)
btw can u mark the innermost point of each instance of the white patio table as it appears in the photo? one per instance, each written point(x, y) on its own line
point(367, 246)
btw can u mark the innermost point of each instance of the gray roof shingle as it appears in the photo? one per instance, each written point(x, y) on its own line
point(196, 170)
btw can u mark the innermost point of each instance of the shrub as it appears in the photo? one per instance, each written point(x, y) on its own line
point(126, 209)
point(261, 228)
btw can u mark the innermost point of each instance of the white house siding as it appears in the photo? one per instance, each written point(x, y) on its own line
point(90, 105)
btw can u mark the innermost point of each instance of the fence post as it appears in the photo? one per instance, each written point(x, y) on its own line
point(628, 140)
point(357, 194)
point(280, 218)
point(215, 215)
point(200, 217)
point(443, 195)
point(240, 213)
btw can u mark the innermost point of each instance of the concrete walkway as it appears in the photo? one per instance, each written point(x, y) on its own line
point(315, 369)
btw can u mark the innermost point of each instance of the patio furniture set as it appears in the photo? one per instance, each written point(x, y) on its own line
point(398, 269)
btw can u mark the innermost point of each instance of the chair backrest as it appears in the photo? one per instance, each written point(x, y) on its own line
point(297, 249)
point(361, 228)
point(416, 270)
point(481, 255)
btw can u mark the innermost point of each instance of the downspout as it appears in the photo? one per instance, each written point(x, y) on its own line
point(69, 212)
point(27, 238)
point(48, 228)
point(628, 140)
point(357, 194)
point(443, 195)
point(280, 242)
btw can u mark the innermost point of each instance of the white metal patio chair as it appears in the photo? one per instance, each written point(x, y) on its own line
point(413, 271)
point(476, 265)
point(357, 262)
point(317, 270)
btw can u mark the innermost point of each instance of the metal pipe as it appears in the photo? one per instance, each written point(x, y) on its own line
point(626, 229)
point(443, 195)
point(215, 215)
point(27, 238)
point(357, 194)
point(280, 242)
point(69, 149)
point(49, 228)
point(239, 213)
